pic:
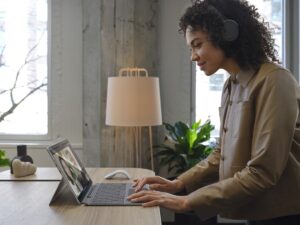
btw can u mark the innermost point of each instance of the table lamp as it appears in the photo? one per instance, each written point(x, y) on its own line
point(133, 100)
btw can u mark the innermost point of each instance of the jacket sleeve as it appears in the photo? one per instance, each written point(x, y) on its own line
point(276, 111)
point(205, 172)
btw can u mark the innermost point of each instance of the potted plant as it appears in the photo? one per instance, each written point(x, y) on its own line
point(185, 145)
point(3, 160)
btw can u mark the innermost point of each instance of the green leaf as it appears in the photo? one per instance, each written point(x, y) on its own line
point(164, 152)
point(207, 150)
point(196, 125)
point(171, 132)
point(168, 159)
point(182, 148)
point(185, 159)
point(204, 132)
point(180, 130)
point(169, 127)
point(193, 162)
point(191, 137)
point(3, 160)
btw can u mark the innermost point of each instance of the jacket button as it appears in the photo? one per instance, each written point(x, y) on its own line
point(222, 157)
point(225, 129)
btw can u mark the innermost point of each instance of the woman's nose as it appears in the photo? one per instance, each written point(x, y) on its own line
point(194, 56)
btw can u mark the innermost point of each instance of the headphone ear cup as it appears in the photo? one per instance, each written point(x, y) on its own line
point(231, 30)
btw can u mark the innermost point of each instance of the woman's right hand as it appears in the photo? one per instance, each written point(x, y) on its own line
point(159, 184)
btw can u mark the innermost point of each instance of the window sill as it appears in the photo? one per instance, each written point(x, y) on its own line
point(11, 144)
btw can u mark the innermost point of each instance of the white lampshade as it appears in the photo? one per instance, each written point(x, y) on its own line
point(133, 101)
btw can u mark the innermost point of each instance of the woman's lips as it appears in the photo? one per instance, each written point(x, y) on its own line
point(201, 65)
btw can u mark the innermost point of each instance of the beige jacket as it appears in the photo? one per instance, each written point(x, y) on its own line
point(257, 165)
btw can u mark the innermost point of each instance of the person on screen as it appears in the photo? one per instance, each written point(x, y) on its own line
point(256, 165)
point(73, 174)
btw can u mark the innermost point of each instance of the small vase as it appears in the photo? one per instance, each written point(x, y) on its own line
point(22, 156)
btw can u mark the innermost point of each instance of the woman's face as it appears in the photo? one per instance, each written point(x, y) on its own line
point(208, 57)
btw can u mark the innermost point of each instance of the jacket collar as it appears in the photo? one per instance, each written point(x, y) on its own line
point(243, 77)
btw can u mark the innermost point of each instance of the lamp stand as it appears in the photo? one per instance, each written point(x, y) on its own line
point(151, 148)
point(138, 146)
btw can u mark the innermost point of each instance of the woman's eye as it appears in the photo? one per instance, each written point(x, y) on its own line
point(198, 45)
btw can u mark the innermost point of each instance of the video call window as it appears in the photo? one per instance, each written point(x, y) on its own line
point(72, 169)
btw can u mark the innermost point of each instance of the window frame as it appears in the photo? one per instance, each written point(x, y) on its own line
point(290, 37)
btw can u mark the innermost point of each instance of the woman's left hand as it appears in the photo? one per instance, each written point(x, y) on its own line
point(156, 198)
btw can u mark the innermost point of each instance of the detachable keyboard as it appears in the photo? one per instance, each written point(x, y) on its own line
point(110, 194)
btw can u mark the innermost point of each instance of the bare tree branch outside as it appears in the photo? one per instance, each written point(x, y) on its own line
point(23, 67)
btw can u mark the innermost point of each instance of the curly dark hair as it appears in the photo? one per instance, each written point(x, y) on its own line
point(254, 44)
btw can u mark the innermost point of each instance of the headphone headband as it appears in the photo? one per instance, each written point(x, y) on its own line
point(231, 27)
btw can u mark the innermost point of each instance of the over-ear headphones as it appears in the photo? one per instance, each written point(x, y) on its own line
point(231, 30)
point(231, 27)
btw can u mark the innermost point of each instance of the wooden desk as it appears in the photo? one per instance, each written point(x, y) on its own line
point(27, 203)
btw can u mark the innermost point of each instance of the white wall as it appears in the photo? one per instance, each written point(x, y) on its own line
point(65, 72)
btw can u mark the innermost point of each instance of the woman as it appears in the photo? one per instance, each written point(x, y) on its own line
point(254, 173)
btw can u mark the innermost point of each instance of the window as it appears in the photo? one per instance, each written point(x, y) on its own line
point(208, 89)
point(54, 110)
point(23, 67)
